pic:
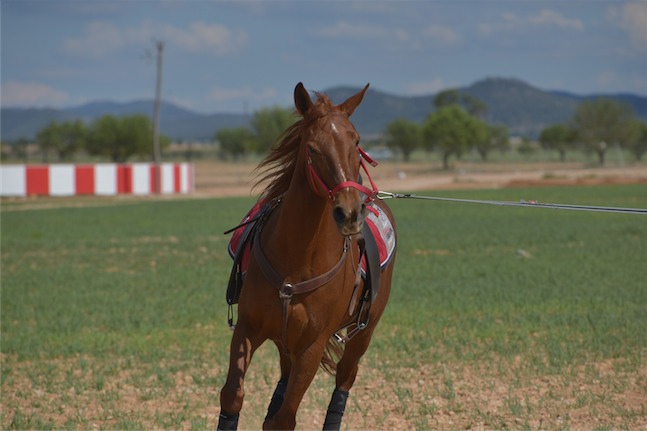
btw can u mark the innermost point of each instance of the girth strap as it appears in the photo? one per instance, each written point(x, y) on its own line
point(373, 270)
point(288, 290)
point(236, 276)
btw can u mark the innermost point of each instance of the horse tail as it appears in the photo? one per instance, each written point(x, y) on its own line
point(332, 354)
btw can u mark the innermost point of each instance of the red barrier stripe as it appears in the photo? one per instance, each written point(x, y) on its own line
point(37, 180)
point(124, 179)
point(153, 178)
point(84, 179)
point(177, 181)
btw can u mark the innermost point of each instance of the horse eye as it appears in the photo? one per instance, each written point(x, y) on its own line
point(357, 143)
point(314, 151)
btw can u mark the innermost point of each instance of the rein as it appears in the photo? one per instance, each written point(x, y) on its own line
point(522, 203)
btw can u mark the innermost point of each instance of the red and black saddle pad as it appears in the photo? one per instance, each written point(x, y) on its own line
point(377, 221)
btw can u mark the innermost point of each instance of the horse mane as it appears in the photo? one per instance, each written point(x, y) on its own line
point(279, 165)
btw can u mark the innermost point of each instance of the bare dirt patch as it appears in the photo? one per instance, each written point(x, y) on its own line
point(92, 393)
point(237, 179)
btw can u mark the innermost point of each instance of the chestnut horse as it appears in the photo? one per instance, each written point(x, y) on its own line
point(301, 286)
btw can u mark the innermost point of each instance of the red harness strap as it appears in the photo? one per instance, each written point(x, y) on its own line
point(318, 184)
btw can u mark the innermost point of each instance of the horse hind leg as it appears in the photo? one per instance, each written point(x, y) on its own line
point(243, 346)
point(336, 410)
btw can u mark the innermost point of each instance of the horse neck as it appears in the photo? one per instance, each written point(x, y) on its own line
point(303, 233)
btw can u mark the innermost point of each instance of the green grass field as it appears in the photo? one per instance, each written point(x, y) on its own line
point(113, 317)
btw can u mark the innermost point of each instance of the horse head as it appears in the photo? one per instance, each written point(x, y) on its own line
point(331, 146)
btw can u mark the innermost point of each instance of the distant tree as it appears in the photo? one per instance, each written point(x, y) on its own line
point(64, 139)
point(559, 138)
point(638, 140)
point(121, 138)
point(21, 149)
point(496, 138)
point(453, 96)
point(75, 134)
point(527, 147)
point(602, 122)
point(474, 106)
point(268, 124)
point(452, 131)
point(235, 141)
point(404, 136)
point(104, 137)
point(6, 150)
point(447, 98)
point(49, 139)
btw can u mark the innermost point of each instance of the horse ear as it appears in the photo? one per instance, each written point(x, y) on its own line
point(302, 99)
point(353, 102)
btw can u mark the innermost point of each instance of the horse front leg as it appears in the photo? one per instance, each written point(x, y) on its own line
point(304, 367)
point(346, 373)
point(243, 345)
point(281, 386)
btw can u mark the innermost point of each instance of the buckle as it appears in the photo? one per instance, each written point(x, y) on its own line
point(286, 292)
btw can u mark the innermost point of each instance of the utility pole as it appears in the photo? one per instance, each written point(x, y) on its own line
point(157, 155)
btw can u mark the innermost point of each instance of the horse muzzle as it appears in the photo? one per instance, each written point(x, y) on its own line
point(349, 212)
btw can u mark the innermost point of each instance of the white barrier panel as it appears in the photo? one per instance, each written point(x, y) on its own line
point(186, 178)
point(62, 180)
point(141, 178)
point(168, 177)
point(105, 179)
point(13, 181)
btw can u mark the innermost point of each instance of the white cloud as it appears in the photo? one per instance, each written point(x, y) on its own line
point(20, 94)
point(204, 37)
point(632, 17)
point(545, 18)
point(550, 18)
point(441, 33)
point(345, 29)
point(246, 93)
point(606, 79)
point(425, 87)
point(101, 38)
point(226, 94)
point(614, 81)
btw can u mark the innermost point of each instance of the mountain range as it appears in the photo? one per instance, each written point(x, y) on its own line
point(524, 109)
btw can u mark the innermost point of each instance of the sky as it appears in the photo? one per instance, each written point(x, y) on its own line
point(240, 56)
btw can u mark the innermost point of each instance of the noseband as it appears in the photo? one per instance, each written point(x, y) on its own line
point(318, 184)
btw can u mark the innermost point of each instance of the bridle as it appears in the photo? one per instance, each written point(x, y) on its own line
point(320, 187)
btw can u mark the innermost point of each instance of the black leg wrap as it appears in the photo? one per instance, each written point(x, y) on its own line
point(277, 399)
point(227, 422)
point(335, 410)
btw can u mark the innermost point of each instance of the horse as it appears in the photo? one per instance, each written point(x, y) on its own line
point(302, 287)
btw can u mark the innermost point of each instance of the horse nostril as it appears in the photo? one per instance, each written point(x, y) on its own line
point(339, 215)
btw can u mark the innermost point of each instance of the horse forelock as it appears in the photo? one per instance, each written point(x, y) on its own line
point(278, 167)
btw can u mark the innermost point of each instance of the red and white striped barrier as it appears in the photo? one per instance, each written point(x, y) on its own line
point(106, 179)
